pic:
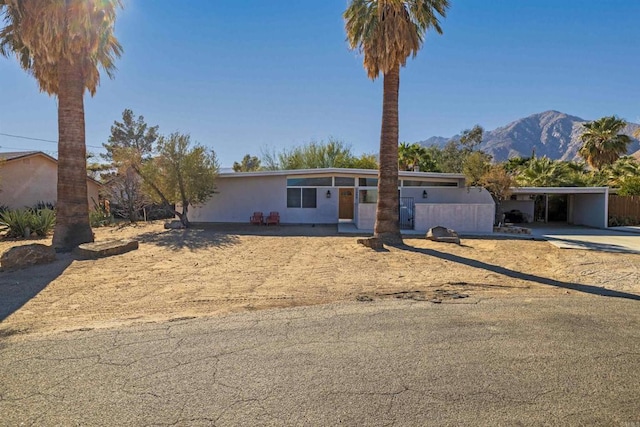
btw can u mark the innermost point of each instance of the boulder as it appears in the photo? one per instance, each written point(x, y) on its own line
point(27, 255)
point(443, 234)
point(107, 248)
point(174, 225)
point(372, 242)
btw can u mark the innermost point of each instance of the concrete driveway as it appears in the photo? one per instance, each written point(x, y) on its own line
point(575, 237)
point(569, 360)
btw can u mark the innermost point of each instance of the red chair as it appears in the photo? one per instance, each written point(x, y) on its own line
point(257, 218)
point(273, 218)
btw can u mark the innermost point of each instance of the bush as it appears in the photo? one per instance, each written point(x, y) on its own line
point(23, 222)
point(42, 221)
point(98, 217)
point(17, 223)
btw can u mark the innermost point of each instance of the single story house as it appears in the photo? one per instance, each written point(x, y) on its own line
point(588, 206)
point(27, 178)
point(330, 196)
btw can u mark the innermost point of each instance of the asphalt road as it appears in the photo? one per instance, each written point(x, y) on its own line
point(571, 360)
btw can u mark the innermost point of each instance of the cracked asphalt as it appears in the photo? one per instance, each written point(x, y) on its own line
point(572, 360)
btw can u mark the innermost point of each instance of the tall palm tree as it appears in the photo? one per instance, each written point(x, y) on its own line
point(603, 142)
point(542, 172)
point(387, 32)
point(62, 43)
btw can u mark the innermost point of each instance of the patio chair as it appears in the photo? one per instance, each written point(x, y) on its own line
point(257, 218)
point(273, 218)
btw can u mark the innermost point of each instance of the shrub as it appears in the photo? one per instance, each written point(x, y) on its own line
point(23, 222)
point(43, 205)
point(98, 217)
point(17, 223)
point(42, 221)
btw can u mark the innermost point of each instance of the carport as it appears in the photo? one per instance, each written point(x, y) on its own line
point(586, 206)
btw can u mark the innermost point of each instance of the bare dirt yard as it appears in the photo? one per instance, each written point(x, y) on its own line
point(207, 272)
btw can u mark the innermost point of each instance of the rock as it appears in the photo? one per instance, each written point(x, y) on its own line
point(443, 234)
point(106, 248)
point(27, 255)
point(371, 242)
point(174, 225)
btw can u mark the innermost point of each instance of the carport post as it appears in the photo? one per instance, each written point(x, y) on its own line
point(546, 208)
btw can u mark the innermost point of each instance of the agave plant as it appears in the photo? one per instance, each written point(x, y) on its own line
point(17, 223)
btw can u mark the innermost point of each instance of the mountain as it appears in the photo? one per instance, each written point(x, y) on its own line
point(551, 133)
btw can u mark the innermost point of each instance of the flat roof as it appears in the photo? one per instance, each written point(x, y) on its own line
point(339, 171)
point(559, 190)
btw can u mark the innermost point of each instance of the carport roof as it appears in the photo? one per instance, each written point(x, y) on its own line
point(560, 190)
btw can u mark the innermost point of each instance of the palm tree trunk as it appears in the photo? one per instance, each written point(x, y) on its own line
point(72, 207)
point(387, 227)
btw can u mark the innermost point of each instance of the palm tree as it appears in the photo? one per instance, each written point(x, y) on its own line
point(387, 32)
point(542, 172)
point(62, 43)
point(603, 143)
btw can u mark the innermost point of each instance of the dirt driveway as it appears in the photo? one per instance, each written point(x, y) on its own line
point(206, 272)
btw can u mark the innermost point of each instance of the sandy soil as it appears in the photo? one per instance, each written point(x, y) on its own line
point(203, 272)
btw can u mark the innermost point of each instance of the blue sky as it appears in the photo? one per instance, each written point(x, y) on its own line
point(242, 76)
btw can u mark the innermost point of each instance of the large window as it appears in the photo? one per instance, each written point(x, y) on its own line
point(344, 181)
point(410, 183)
point(310, 182)
point(302, 197)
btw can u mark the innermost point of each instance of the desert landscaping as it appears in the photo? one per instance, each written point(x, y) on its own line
point(212, 271)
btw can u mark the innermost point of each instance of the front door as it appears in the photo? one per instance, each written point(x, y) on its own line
point(345, 203)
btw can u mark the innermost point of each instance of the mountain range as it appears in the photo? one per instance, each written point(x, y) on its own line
point(551, 133)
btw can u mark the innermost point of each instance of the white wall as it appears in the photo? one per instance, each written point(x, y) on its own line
point(470, 218)
point(447, 194)
point(237, 198)
point(590, 210)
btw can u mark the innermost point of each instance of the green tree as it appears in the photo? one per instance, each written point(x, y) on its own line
point(387, 32)
point(623, 169)
point(471, 138)
point(498, 182)
point(602, 141)
point(414, 157)
point(63, 44)
point(248, 164)
point(314, 155)
point(131, 135)
point(180, 174)
point(630, 187)
point(542, 172)
point(476, 165)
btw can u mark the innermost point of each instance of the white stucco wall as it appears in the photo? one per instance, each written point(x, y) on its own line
point(27, 181)
point(463, 218)
point(237, 198)
point(590, 210)
point(464, 210)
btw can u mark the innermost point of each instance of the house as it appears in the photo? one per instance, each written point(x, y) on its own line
point(27, 178)
point(332, 196)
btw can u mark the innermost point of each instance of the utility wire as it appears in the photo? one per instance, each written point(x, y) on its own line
point(39, 139)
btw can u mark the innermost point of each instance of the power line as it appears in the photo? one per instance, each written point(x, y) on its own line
point(39, 139)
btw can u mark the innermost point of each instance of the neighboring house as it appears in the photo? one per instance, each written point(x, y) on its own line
point(27, 178)
point(330, 196)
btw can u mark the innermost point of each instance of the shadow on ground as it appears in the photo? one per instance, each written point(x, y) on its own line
point(288, 230)
point(567, 243)
point(17, 288)
point(192, 239)
point(589, 289)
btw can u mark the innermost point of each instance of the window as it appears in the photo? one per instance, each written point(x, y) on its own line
point(368, 196)
point(302, 197)
point(343, 181)
point(309, 182)
point(409, 183)
point(368, 182)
